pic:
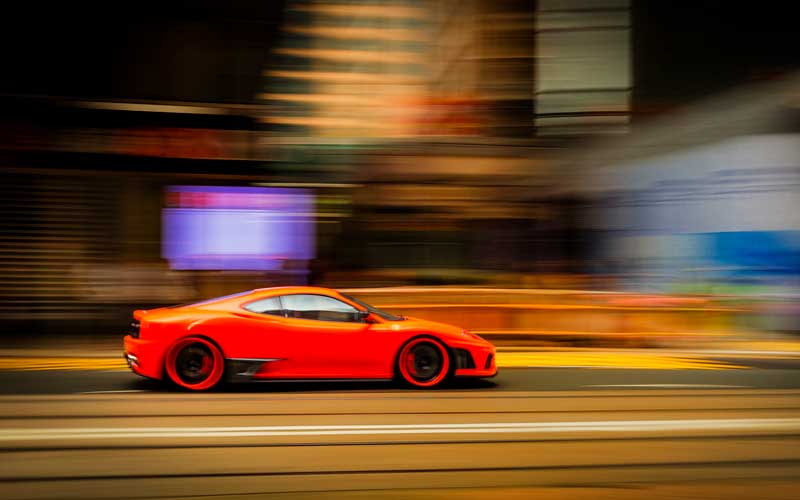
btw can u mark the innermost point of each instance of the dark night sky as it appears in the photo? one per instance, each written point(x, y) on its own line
point(205, 50)
point(684, 50)
point(198, 50)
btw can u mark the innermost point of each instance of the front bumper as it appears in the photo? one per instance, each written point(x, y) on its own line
point(145, 358)
point(484, 358)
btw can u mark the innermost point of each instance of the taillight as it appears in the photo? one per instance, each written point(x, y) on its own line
point(133, 328)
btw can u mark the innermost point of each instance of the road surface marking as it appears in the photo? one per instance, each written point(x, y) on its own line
point(112, 392)
point(670, 386)
point(473, 428)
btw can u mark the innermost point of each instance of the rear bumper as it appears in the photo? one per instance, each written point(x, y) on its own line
point(144, 357)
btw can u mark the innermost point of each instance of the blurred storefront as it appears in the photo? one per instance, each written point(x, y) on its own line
point(82, 198)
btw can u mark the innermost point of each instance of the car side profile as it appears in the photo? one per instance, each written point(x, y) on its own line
point(298, 333)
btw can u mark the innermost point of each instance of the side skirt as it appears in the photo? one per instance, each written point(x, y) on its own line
point(244, 369)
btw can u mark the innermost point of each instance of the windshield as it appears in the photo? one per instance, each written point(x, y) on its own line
point(374, 310)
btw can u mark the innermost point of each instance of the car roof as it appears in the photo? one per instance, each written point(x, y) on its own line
point(227, 301)
point(284, 290)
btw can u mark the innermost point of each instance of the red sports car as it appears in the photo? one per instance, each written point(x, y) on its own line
point(298, 333)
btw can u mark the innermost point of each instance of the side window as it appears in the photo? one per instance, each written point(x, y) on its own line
point(319, 307)
point(271, 305)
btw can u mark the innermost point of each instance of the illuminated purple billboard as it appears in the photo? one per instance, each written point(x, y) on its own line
point(237, 228)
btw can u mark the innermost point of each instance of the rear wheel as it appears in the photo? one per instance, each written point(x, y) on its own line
point(424, 362)
point(195, 363)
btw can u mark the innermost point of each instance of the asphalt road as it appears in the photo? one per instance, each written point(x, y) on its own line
point(781, 374)
point(544, 433)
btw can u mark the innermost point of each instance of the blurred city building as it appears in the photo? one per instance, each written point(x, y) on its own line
point(471, 141)
point(482, 69)
point(584, 67)
point(351, 70)
point(704, 199)
point(366, 70)
point(448, 115)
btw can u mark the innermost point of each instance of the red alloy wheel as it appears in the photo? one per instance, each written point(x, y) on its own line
point(195, 363)
point(424, 362)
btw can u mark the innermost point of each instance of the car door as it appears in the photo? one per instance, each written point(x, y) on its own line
point(333, 340)
point(264, 333)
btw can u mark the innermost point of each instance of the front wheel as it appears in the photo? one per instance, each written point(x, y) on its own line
point(195, 363)
point(424, 363)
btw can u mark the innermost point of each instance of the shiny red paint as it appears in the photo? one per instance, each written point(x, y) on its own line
point(296, 349)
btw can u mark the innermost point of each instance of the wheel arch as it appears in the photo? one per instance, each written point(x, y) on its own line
point(426, 335)
point(204, 337)
point(178, 340)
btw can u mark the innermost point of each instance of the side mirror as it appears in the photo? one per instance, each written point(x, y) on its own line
point(363, 315)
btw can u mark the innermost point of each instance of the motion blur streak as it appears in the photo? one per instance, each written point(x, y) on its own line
point(605, 190)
